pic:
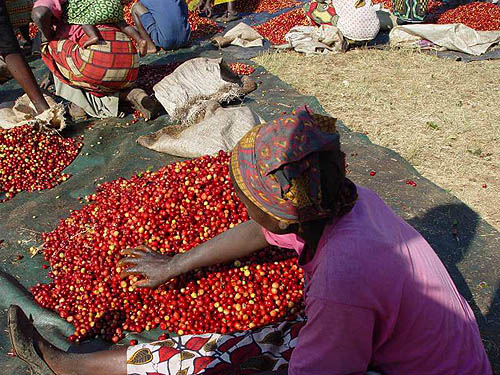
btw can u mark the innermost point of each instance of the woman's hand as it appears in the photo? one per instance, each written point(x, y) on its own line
point(155, 267)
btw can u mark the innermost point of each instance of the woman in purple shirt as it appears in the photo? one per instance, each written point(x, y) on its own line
point(377, 296)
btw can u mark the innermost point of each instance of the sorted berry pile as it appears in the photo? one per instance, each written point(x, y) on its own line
point(150, 75)
point(171, 211)
point(477, 15)
point(127, 15)
point(276, 28)
point(33, 30)
point(32, 160)
point(260, 6)
point(241, 69)
point(202, 27)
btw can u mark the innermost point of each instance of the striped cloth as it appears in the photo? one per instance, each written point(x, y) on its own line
point(19, 11)
point(100, 69)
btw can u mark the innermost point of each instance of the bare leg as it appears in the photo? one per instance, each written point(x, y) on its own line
point(142, 44)
point(92, 33)
point(205, 6)
point(109, 362)
point(42, 16)
point(231, 8)
point(22, 73)
point(137, 11)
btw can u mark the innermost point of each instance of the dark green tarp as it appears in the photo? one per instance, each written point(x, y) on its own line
point(471, 255)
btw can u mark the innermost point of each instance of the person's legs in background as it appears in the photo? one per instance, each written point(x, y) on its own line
point(17, 65)
point(138, 10)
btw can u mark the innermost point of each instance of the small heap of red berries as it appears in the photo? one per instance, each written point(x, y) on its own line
point(32, 159)
point(476, 15)
point(276, 28)
point(260, 6)
point(171, 211)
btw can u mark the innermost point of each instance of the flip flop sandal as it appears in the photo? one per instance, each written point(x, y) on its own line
point(248, 86)
point(76, 112)
point(228, 18)
point(143, 103)
point(21, 332)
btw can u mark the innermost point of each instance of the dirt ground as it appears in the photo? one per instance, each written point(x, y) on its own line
point(443, 116)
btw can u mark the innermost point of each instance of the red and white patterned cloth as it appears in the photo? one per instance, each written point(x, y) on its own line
point(267, 348)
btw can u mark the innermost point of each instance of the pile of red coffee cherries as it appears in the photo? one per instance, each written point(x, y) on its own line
point(171, 211)
point(276, 28)
point(32, 159)
point(241, 69)
point(260, 6)
point(477, 15)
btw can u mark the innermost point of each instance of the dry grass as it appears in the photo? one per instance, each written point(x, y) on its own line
point(442, 116)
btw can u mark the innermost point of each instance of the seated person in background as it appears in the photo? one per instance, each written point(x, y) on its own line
point(10, 51)
point(357, 20)
point(90, 13)
point(162, 23)
point(20, 17)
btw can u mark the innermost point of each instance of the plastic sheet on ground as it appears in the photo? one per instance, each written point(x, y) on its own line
point(453, 37)
point(467, 245)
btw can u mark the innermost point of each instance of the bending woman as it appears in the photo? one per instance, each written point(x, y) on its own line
point(377, 296)
point(94, 78)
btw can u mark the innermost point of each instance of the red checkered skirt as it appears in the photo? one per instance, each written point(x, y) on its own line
point(104, 68)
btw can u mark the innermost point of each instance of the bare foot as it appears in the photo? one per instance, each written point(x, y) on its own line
point(90, 41)
point(142, 102)
point(152, 48)
point(142, 47)
point(46, 82)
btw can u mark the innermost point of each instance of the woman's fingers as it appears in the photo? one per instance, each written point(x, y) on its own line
point(144, 283)
point(130, 271)
point(135, 251)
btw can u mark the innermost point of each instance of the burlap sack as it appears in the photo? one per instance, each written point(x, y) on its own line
point(22, 112)
point(185, 93)
point(220, 129)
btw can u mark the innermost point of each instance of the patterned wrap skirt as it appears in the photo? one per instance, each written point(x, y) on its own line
point(93, 12)
point(101, 69)
point(267, 348)
point(19, 11)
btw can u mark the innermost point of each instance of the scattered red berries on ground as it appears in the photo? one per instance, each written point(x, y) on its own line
point(411, 183)
point(373, 173)
point(171, 211)
point(485, 186)
point(33, 159)
point(241, 69)
point(276, 28)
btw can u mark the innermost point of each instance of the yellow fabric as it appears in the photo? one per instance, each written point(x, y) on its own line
point(217, 2)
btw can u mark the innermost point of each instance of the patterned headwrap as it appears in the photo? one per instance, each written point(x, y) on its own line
point(292, 168)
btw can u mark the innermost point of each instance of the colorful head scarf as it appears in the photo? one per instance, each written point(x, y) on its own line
point(292, 168)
